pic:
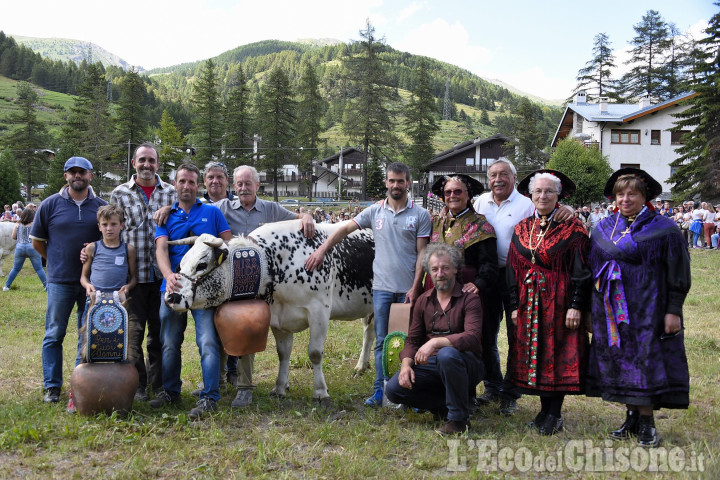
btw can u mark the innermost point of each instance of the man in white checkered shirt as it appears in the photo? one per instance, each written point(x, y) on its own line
point(142, 198)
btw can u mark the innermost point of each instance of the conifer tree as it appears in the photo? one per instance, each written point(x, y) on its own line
point(10, 184)
point(421, 124)
point(238, 121)
point(310, 111)
point(276, 123)
point(207, 127)
point(170, 153)
point(132, 123)
point(649, 47)
point(367, 119)
point(596, 77)
point(28, 137)
point(697, 170)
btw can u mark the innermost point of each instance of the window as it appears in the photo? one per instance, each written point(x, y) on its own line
point(655, 137)
point(676, 138)
point(470, 162)
point(625, 137)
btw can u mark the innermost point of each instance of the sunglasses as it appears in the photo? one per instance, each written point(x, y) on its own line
point(457, 192)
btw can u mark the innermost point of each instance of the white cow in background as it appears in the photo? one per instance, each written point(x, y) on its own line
point(340, 290)
point(7, 244)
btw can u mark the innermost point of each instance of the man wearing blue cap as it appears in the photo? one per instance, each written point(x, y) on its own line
point(64, 222)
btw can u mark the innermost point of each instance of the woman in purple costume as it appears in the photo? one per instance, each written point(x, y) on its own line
point(641, 271)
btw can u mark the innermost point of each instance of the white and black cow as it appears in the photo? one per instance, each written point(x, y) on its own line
point(298, 299)
point(7, 244)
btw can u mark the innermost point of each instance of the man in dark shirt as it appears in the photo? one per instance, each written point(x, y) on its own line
point(441, 361)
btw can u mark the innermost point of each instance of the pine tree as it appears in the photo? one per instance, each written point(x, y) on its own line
point(367, 118)
point(238, 121)
point(485, 118)
point(596, 77)
point(310, 111)
point(421, 124)
point(375, 180)
point(207, 127)
point(10, 184)
point(28, 137)
point(697, 170)
point(529, 141)
point(89, 132)
point(170, 151)
point(132, 124)
point(650, 46)
point(276, 123)
point(677, 63)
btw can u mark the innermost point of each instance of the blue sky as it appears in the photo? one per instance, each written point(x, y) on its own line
point(536, 46)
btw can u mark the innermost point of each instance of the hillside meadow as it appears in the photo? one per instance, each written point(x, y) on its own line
point(296, 438)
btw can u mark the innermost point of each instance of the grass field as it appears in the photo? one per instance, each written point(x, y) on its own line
point(294, 437)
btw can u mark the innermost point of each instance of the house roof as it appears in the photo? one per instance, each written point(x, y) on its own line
point(616, 112)
point(322, 171)
point(464, 146)
point(336, 157)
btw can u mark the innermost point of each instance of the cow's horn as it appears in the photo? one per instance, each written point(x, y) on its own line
point(183, 241)
point(215, 242)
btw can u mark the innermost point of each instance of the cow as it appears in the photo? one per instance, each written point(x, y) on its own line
point(7, 244)
point(298, 299)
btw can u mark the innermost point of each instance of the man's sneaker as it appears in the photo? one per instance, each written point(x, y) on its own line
point(141, 395)
point(71, 403)
point(52, 395)
point(204, 406)
point(508, 407)
point(6, 289)
point(242, 399)
point(487, 398)
point(163, 398)
point(454, 427)
point(376, 399)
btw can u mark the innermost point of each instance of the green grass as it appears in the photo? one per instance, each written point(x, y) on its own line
point(51, 109)
point(295, 437)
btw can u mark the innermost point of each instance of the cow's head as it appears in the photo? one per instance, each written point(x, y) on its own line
point(196, 268)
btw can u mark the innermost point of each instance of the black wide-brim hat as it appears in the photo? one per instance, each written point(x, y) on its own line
point(568, 186)
point(474, 187)
point(653, 186)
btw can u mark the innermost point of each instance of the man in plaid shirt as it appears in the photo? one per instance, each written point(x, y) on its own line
point(145, 196)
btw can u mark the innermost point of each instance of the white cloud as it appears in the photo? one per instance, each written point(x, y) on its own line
point(410, 10)
point(536, 82)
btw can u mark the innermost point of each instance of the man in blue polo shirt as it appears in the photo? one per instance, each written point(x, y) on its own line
point(188, 217)
point(64, 222)
point(401, 230)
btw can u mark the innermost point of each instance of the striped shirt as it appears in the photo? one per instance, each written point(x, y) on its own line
point(139, 225)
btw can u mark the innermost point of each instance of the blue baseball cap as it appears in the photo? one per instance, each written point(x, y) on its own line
point(79, 162)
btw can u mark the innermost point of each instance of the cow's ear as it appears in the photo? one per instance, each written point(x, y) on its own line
point(221, 254)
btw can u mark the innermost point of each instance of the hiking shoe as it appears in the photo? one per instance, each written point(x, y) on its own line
point(242, 399)
point(508, 407)
point(376, 399)
point(454, 427)
point(204, 406)
point(141, 395)
point(52, 395)
point(71, 403)
point(164, 398)
point(487, 398)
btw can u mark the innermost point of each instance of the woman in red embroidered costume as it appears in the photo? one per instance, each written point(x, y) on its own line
point(549, 283)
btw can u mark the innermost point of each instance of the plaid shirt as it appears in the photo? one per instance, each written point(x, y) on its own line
point(139, 226)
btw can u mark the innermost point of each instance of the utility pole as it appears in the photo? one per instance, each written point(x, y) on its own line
point(340, 169)
point(128, 162)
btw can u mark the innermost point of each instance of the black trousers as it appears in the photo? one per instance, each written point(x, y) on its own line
point(143, 307)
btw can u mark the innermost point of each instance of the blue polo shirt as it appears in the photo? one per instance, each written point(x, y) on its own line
point(66, 227)
point(202, 218)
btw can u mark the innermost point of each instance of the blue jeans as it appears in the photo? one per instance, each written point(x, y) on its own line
point(714, 240)
point(381, 307)
point(23, 251)
point(61, 298)
point(447, 380)
point(172, 334)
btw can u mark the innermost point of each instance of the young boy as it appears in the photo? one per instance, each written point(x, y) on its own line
point(110, 264)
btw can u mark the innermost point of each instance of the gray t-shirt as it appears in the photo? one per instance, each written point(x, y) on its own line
point(242, 221)
point(396, 237)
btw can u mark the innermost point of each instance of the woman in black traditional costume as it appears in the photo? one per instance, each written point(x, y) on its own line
point(641, 268)
point(550, 285)
point(467, 230)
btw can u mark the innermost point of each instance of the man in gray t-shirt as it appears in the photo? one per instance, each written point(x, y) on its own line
point(401, 230)
point(244, 214)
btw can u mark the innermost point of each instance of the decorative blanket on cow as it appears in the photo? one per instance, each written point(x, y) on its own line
point(392, 346)
point(106, 329)
point(249, 271)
